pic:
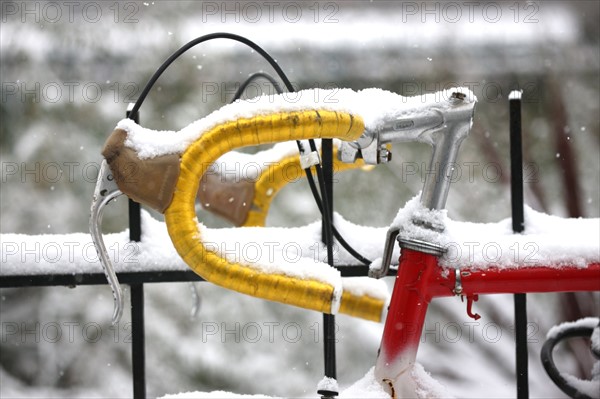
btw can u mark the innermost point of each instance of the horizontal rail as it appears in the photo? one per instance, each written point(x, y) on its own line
point(49, 280)
point(169, 276)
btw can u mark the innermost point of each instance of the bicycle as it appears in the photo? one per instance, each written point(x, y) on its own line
point(168, 171)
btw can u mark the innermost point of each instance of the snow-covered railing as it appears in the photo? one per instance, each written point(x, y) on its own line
point(143, 254)
point(70, 260)
point(151, 257)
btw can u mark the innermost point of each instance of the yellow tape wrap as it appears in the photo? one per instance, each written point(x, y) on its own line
point(276, 176)
point(182, 224)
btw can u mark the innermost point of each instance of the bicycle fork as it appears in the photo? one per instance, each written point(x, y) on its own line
point(413, 289)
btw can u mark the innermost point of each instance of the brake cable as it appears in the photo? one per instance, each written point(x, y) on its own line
point(253, 77)
point(202, 39)
point(310, 179)
point(322, 203)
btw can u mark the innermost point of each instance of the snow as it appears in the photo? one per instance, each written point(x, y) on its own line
point(427, 386)
point(515, 95)
point(586, 322)
point(375, 106)
point(213, 395)
point(280, 251)
point(366, 387)
point(364, 286)
point(591, 388)
point(235, 165)
point(75, 253)
point(328, 384)
point(296, 251)
point(547, 241)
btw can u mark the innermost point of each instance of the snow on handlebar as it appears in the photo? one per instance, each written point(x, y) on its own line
point(162, 169)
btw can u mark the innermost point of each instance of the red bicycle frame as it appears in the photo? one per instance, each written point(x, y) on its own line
point(420, 279)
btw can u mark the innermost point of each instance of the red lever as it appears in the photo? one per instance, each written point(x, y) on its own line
point(470, 300)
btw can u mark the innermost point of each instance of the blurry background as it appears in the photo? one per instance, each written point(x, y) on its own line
point(68, 70)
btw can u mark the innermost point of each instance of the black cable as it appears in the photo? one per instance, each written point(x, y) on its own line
point(220, 35)
point(257, 75)
point(201, 39)
point(329, 227)
point(224, 35)
point(309, 176)
point(548, 360)
point(350, 250)
point(326, 212)
point(336, 233)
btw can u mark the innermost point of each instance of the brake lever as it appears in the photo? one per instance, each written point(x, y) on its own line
point(105, 191)
point(390, 241)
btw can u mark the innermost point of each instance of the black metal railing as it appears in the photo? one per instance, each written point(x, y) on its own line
point(136, 281)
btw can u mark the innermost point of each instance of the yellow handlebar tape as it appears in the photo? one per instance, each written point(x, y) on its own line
point(182, 224)
point(277, 176)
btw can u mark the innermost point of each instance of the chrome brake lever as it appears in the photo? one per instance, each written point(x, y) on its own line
point(105, 191)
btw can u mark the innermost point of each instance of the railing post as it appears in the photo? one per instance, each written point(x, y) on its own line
point(518, 224)
point(138, 351)
point(328, 319)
